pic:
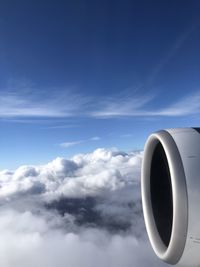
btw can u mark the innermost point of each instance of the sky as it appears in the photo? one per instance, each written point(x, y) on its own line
point(79, 75)
point(82, 85)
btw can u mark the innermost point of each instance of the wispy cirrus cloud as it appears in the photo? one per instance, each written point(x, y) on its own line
point(73, 143)
point(128, 105)
point(188, 105)
point(15, 104)
point(95, 138)
point(78, 142)
point(128, 135)
point(64, 126)
point(24, 107)
point(178, 43)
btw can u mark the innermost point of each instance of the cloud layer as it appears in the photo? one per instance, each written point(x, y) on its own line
point(15, 105)
point(83, 211)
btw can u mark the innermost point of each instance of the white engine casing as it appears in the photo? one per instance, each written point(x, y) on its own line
point(170, 186)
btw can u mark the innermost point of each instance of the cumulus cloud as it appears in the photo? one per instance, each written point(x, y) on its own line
point(83, 211)
point(28, 240)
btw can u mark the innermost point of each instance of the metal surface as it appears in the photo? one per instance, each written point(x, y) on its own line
point(182, 149)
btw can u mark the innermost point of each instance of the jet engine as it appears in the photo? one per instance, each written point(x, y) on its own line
point(170, 186)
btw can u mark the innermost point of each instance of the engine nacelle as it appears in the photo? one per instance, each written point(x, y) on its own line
point(171, 195)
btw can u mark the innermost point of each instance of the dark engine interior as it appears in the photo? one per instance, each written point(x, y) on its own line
point(161, 194)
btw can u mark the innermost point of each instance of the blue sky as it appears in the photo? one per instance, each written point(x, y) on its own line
point(78, 75)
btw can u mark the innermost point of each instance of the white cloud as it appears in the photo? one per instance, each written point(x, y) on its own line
point(30, 241)
point(95, 138)
point(186, 106)
point(83, 175)
point(81, 212)
point(64, 126)
point(18, 107)
point(15, 104)
point(118, 106)
point(69, 144)
point(74, 143)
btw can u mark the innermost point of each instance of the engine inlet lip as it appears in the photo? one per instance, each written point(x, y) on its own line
point(173, 252)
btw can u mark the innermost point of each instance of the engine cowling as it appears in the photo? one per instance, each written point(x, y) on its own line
point(170, 186)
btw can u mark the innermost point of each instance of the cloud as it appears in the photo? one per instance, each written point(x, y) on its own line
point(18, 107)
point(188, 105)
point(120, 106)
point(74, 143)
point(82, 211)
point(126, 135)
point(69, 144)
point(16, 104)
point(178, 43)
point(95, 138)
point(83, 175)
point(28, 240)
point(64, 126)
